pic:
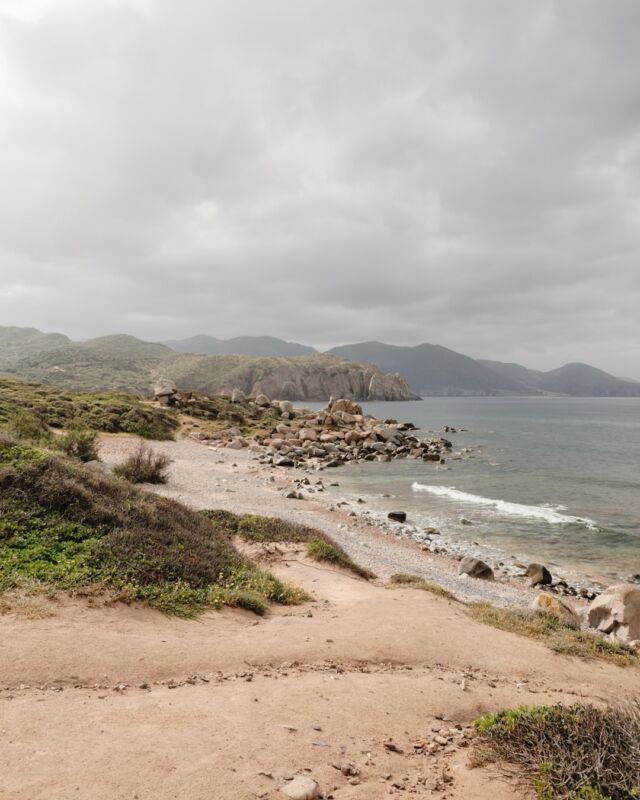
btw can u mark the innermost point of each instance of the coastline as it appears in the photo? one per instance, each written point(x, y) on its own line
point(206, 475)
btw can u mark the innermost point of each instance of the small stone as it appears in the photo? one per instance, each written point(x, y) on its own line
point(301, 788)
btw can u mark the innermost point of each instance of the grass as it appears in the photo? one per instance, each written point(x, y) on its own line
point(63, 526)
point(26, 406)
point(261, 530)
point(575, 752)
point(551, 630)
point(144, 466)
point(415, 582)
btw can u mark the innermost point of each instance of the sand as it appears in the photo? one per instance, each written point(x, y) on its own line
point(109, 701)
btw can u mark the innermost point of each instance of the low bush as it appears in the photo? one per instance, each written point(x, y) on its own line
point(80, 444)
point(144, 466)
point(27, 426)
point(68, 527)
point(575, 752)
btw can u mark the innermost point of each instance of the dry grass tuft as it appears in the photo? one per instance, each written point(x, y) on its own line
point(144, 466)
point(415, 582)
point(575, 752)
point(554, 633)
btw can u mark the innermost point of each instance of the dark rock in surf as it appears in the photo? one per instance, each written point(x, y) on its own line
point(397, 516)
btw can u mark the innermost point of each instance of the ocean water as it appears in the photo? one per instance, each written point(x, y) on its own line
point(548, 479)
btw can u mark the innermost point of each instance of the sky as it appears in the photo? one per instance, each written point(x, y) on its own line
point(463, 173)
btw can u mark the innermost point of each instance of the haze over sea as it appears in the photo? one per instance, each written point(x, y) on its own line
point(550, 479)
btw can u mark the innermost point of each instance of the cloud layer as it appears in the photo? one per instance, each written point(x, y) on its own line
point(465, 173)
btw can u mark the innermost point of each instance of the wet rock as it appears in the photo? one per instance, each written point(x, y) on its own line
point(475, 568)
point(397, 516)
point(539, 574)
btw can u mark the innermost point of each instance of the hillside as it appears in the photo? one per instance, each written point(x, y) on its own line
point(125, 363)
point(431, 369)
point(240, 345)
point(17, 342)
point(581, 380)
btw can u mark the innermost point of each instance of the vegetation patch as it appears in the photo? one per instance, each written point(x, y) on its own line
point(261, 530)
point(144, 466)
point(551, 630)
point(27, 407)
point(415, 582)
point(64, 526)
point(575, 752)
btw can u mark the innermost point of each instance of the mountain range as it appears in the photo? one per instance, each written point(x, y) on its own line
point(125, 363)
point(366, 370)
point(435, 370)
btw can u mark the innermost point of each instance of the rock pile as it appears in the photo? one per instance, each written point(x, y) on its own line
point(341, 433)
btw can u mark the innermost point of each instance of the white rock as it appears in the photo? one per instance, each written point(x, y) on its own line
point(616, 612)
point(301, 788)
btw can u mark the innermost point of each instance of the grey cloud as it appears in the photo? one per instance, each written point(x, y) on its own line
point(464, 173)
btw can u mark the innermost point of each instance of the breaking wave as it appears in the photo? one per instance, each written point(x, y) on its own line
point(545, 513)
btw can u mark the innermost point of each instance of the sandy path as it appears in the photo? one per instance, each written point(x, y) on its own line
point(109, 702)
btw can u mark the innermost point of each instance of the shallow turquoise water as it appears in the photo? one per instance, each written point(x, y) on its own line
point(538, 464)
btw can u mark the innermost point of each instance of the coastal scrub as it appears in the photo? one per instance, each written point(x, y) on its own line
point(576, 752)
point(65, 526)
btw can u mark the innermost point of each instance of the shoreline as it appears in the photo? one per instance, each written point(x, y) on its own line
point(235, 480)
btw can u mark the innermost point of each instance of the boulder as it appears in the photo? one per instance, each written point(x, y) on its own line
point(238, 444)
point(475, 568)
point(286, 406)
point(616, 612)
point(165, 391)
point(307, 435)
point(397, 516)
point(263, 401)
point(301, 788)
point(237, 396)
point(539, 574)
point(559, 608)
point(344, 405)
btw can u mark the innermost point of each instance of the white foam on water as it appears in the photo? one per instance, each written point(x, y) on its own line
point(545, 513)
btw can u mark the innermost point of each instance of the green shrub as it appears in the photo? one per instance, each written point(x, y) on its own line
point(144, 466)
point(28, 426)
point(415, 582)
point(80, 444)
point(575, 752)
point(68, 527)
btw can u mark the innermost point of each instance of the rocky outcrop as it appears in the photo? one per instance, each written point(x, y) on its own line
point(616, 612)
point(335, 435)
point(315, 378)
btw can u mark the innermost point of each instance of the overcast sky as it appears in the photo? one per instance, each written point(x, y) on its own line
point(463, 173)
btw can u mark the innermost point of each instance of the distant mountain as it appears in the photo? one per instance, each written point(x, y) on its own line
point(581, 380)
point(16, 342)
point(125, 363)
point(524, 377)
point(431, 369)
point(240, 345)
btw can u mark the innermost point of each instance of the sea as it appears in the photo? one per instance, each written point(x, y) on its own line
point(554, 480)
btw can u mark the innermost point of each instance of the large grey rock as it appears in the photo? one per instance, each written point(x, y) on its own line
point(616, 612)
point(475, 568)
point(301, 788)
point(263, 401)
point(237, 396)
point(539, 574)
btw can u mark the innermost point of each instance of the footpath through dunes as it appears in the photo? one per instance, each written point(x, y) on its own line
point(368, 689)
